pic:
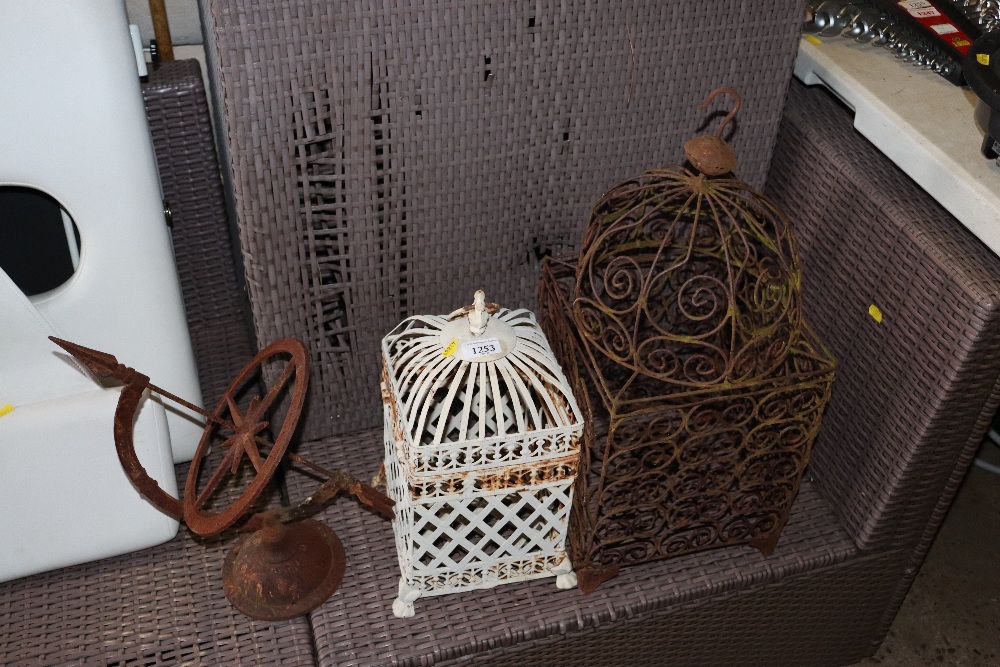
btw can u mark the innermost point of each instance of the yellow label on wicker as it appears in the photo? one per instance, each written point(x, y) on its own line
point(6, 410)
point(813, 39)
point(983, 58)
point(875, 313)
point(450, 350)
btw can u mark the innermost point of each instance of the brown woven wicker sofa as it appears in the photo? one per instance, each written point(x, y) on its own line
point(388, 159)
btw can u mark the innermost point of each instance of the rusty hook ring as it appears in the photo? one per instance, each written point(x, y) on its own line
point(736, 106)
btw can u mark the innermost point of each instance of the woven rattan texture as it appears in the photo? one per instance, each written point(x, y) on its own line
point(915, 389)
point(821, 619)
point(214, 298)
point(356, 626)
point(387, 158)
point(159, 606)
point(937, 516)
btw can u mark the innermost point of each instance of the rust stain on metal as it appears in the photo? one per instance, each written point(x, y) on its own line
point(710, 154)
point(338, 481)
point(389, 399)
point(282, 571)
point(245, 427)
point(496, 479)
point(590, 577)
point(534, 473)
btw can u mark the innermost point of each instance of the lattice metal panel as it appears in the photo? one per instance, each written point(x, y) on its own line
point(481, 451)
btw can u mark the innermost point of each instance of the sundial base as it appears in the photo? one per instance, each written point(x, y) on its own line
point(283, 570)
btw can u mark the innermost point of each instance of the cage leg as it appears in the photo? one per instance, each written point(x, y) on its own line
point(592, 576)
point(402, 606)
point(766, 543)
point(565, 576)
point(566, 581)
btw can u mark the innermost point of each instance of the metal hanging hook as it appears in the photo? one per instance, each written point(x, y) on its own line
point(736, 106)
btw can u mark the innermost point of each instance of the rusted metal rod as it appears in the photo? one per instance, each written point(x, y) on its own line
point(247, 426)
point(225, 423)
point(190, 406)
point(309, 464)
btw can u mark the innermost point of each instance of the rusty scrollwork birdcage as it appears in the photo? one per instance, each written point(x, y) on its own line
point(704, 385)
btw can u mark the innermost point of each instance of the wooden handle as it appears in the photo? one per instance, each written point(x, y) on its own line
point(161, 28)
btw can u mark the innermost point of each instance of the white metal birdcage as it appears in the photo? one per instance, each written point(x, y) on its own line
point(481, 451)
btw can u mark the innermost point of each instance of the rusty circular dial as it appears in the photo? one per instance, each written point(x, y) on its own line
point(243, 437)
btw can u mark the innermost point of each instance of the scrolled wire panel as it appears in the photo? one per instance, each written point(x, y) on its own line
point(665, 475)
point(689, 281)
point(702, 475)
point(458, 415)
point(807, 357)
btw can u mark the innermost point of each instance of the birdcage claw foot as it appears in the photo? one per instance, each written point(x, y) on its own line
point(565, 576)
point(402, 606)
point(566, 581)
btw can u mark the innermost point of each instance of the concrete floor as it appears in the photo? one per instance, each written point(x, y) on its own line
point(951, 616)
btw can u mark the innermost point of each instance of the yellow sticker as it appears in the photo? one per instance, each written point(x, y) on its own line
point(6, 410)
point(813, 39)
point(450, 350)
point(983, 58)
point(875, 313)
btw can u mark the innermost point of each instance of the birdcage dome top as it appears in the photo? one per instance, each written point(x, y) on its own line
point(482, 372)
point(688, 276)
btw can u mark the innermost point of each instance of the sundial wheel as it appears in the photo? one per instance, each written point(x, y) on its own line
point(246, 436)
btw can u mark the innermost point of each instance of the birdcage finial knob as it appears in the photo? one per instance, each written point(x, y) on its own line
point(478, 313)
point(479, 316)
point(710, 154)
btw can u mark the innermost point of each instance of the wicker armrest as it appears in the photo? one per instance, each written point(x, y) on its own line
point(917, 383)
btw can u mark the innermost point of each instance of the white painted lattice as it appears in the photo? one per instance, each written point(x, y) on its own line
point(481, 452)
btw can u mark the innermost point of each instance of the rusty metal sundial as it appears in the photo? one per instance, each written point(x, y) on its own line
point(288, 564)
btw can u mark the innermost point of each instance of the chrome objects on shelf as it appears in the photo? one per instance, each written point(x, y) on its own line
point(905, 32)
